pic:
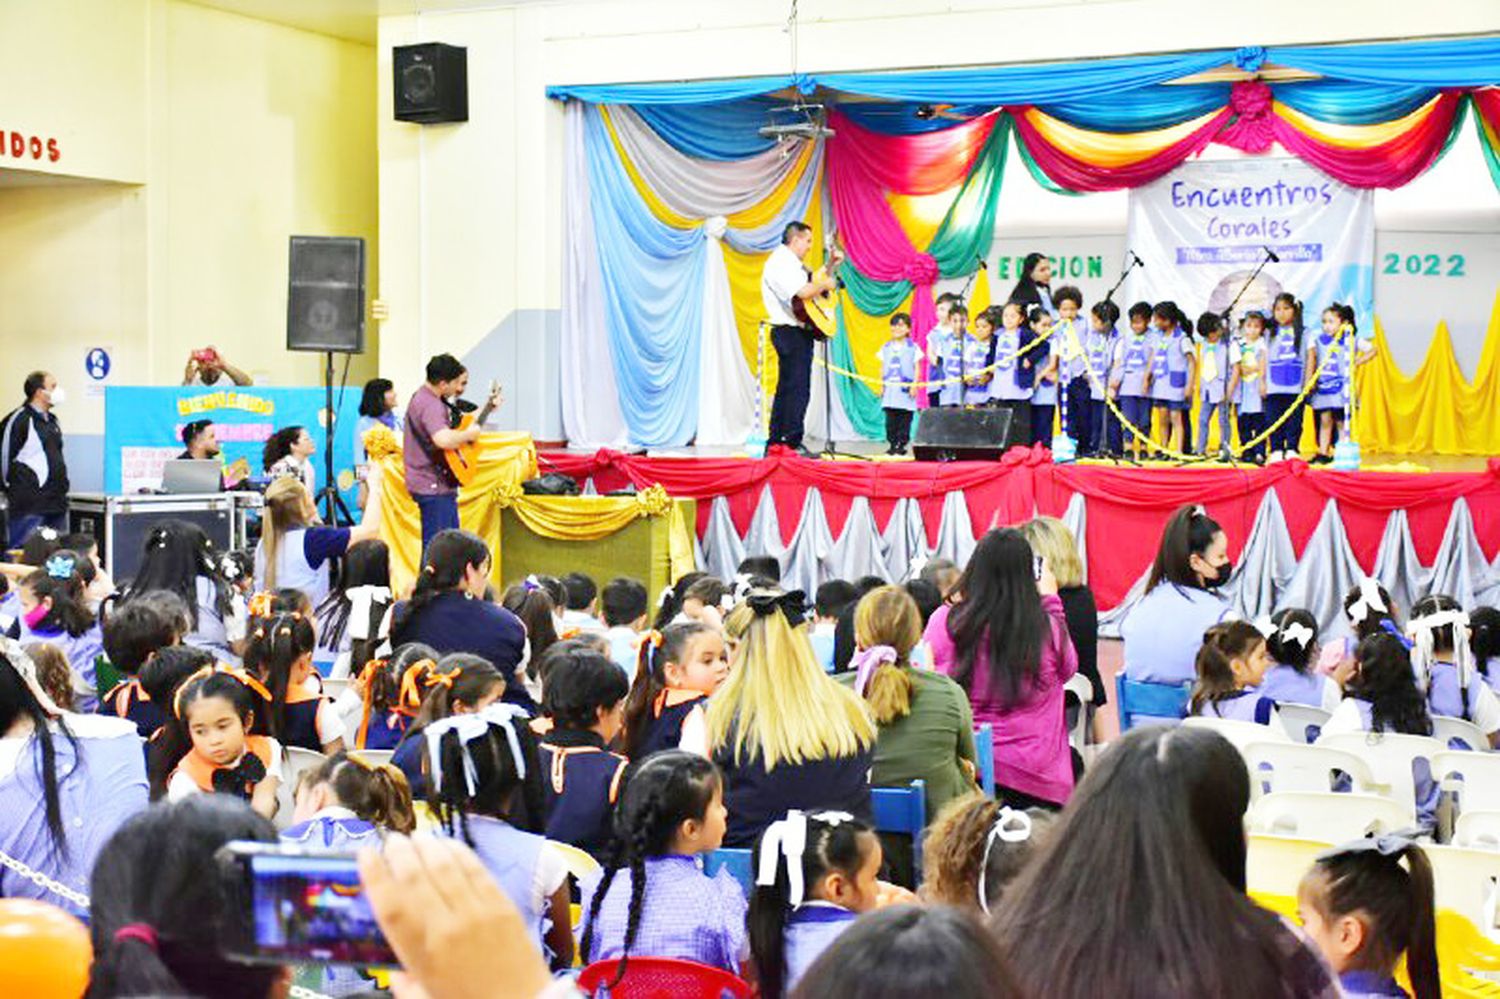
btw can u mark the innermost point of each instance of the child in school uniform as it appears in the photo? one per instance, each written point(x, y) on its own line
point(1364, 911)
point(213, 715)
point(653, 899)
point(485, 787)
point(458, 684)
point(898, 370)
point(626, 614)
point(1230, 667)
point(1070, 335)
point(53, 611)
point(975, 848)
point(135, 632)
point(1130, 374)
point(949, 351)
point(816, 873)
point(1293, 645)
point(346, 803)
point(585, 700)
point(280, 654)
point(1383, 696)
point(1484, 643)
point(1103, 428)
point(679, 668)
point(941, 360)
point(1289, 364)
point(1213, 381)
point(978, 352)
point(1172, 368)
point(1337, 350)
point(1247, 385)
point(1444, 664)
point(1014, 375)
point(1047, 360)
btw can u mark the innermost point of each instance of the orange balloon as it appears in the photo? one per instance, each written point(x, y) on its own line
point(45, 953)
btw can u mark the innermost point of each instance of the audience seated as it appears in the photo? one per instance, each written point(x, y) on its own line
point(975, 848)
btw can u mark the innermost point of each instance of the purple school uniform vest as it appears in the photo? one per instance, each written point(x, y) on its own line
point(810, 930)
point(1283, 684)
point(581, 782)
point(1247, 706)
point(81, 652)
point(511, 857)
point(1444, 696)
point(336, 835)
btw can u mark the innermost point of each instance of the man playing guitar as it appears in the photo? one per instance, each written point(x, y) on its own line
point(786, 287)
point(429, 432)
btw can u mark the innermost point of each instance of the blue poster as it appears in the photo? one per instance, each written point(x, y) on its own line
point(143, 429)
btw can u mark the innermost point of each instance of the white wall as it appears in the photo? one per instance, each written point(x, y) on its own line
point(470, 214)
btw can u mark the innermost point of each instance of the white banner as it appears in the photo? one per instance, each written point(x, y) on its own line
point(1202, 229)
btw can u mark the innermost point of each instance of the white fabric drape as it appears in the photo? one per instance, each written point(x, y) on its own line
point(726, 397)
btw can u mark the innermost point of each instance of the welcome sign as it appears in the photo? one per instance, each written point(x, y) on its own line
point(1202, 229)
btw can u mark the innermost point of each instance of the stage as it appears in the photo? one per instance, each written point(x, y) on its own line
point(1301, 535)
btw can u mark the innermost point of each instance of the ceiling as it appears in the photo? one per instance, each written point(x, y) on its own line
point(351, 19)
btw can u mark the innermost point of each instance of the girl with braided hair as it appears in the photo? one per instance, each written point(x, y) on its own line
point(653, 899)
point(485, 786)
point(280, 654)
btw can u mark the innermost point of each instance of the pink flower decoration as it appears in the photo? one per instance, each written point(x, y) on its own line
point(1250, 131)
point(921, 270)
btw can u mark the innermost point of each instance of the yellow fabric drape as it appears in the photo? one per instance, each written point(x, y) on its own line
point(1354, 136)
point(979, 295)
point(1437, 410)
point(1111, 149)
point(505, 461)
point(744, 289)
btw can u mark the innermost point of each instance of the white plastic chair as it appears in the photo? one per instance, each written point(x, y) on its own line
point(1447, 730)
point(1240, 733)
point(1290, 766)
point(297, 760)
point(1302, 722)
point(1478, 829)
point(1474, 777)
point(374, 757)
point(1390, 756)
point(1274, 865)
point(1329, 817)
point(1083, 690)
point(1465, 880)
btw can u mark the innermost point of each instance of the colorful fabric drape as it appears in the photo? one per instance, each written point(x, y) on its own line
point(673, 198)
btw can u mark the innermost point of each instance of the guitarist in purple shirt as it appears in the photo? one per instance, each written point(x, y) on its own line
point(430, 430)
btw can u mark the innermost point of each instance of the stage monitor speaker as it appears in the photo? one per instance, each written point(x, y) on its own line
point(951, 434)
point(325, 299)
point(432, 83)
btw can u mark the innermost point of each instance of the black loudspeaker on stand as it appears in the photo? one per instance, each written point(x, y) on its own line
point(951, 434)
point(431, 83)
point(325, 313)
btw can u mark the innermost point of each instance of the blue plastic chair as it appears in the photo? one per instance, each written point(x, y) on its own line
point(984, 750)
point(1163, 703)
point(738, 863)
point(902, 810)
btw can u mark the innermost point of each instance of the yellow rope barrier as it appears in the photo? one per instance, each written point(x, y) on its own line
point(880, 384)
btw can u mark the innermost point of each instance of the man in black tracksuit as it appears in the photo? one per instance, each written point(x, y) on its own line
point(32, 470)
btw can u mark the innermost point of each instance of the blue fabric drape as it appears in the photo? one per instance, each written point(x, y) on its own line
point(726, 131)
point(1159, 106)
point(1350, 103)
point(901, 118)
point(1039, 84)
point(678, 92)
point(1449, 62)
point(653, 309)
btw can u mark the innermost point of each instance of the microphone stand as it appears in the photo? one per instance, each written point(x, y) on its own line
point(1229, 310)
point(1109, 296)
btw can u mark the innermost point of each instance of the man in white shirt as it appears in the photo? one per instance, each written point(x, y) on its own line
point(784, 278)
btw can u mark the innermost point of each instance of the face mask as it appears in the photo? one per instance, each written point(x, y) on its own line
point(36, 615)
point(57, 396)
point(1221, 576)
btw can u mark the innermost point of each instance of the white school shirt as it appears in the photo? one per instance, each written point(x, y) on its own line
point(780, 280)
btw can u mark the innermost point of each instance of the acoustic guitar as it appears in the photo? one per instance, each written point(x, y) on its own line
point(463, 461)
point(816, 313)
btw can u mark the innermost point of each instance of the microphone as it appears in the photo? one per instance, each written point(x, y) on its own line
point(1272, 254)
point(1139, 262)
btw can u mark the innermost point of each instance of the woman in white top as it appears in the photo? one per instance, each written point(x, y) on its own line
point(295, 550)
point(288, 452)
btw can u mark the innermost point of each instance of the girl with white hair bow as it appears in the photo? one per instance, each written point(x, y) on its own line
point(1444, 665)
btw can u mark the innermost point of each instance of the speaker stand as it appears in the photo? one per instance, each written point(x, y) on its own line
point(333, 503)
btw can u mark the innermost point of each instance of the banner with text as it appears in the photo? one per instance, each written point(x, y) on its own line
point(1202, 229)
point(143, 429)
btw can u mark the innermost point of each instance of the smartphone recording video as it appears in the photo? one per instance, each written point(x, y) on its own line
point(296, 906)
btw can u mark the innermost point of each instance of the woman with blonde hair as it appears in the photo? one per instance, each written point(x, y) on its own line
point(925, 726)
point(295, 550)
point(1054, 541)
point(785, 734)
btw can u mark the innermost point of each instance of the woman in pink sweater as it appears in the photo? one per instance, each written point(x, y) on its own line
point(1005, 640)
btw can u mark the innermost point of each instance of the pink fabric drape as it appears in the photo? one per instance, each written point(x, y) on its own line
point(1079, 175)
point(1389, 164)
point(922, 163)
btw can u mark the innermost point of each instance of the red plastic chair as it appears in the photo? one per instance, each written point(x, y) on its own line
point(662, 978)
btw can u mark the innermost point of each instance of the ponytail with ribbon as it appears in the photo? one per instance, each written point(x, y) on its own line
point(793, 859)
point(657, 650)
point(1439, 625)
point(484, 763)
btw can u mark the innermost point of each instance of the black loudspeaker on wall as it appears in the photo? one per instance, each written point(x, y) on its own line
point(948, 434)
point(325, 300)
point(432, 83)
